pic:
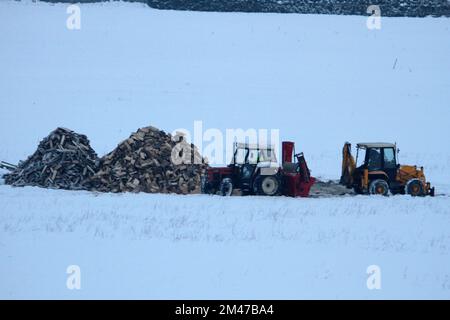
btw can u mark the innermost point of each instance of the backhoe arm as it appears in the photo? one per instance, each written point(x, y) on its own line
point(348, 165)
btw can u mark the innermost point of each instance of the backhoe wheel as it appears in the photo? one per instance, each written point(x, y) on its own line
point(379, 187)
point(414, 188)
point(226, 187)
point(267, 186)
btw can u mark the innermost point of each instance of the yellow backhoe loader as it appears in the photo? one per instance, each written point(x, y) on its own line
point(376, 171)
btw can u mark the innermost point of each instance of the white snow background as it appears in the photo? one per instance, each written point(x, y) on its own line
point(321, 80)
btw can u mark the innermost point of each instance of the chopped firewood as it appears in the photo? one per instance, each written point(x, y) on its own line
point(143, 163)
point(63, 160)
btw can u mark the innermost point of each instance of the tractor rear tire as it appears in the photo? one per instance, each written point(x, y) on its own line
point(414, 188)
point(379, 187)
point(226, 187)
point(267, 186)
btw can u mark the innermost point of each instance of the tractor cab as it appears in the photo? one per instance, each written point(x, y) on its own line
point(253, 154)
point(248, 160)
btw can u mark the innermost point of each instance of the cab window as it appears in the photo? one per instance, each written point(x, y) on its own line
point(360, 157)
point(374, 159)
point(389, 158)
point(239, 156)
point(253, 156)
point(267, 155)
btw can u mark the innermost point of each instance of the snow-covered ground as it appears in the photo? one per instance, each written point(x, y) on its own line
point(321, 80)
point(169, 246)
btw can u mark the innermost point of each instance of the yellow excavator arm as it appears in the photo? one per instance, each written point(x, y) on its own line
point(348, 165)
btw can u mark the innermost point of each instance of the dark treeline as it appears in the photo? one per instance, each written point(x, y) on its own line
point(392, 8)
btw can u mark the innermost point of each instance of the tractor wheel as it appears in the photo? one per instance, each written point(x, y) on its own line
point(226, 187)
point(267, 186)
point(379, 186)
point(414, 187)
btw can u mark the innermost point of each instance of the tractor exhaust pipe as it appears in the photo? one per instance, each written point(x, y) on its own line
point(287, 151)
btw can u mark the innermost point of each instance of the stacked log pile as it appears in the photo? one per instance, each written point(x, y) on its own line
point(63, 160)
point(150, 161)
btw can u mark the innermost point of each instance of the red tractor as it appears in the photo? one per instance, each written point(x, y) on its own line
point(254, 171)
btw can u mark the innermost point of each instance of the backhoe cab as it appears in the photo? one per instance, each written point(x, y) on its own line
point(376, 171)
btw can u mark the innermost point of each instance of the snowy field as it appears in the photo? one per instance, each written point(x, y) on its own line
point(168, 246)
point(321, 80)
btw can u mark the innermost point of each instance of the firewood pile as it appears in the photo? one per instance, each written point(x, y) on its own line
point(150, 161)
point(63, 160)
